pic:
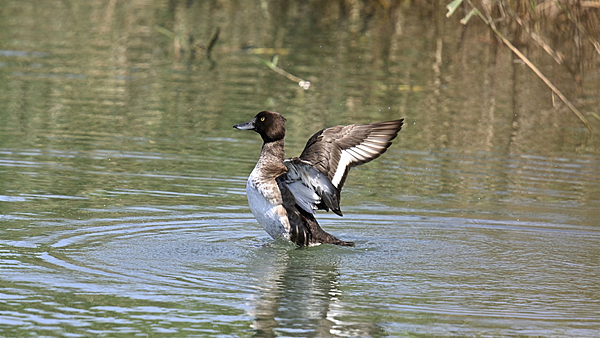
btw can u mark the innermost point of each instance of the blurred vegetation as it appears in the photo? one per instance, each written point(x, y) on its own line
point(568, 31)
point(188, 67)
point(504, 8)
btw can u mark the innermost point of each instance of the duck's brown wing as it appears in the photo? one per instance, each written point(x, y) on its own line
point(335, 150)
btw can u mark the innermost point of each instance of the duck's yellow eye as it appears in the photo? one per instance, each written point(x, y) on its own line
point(262, 118)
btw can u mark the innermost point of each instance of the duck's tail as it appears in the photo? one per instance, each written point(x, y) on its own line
point(317, 234)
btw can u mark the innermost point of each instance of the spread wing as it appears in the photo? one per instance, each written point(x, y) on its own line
point(335, 150)
point(310, 188)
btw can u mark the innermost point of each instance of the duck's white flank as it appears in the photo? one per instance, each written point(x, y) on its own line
point(266, 207)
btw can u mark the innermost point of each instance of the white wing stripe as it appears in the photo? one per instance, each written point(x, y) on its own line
point(358, 155)
point(371, 149)
point(365, 148)
point(379, 134)
point(365, 151)
point(345, 160)
point(376, 143)
point(362, 155)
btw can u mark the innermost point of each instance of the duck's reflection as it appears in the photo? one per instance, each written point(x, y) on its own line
point(298, 295)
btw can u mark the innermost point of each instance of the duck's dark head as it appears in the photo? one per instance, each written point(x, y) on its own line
point(269, 124)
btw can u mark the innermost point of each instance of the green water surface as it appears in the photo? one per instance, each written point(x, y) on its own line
point(122, 182)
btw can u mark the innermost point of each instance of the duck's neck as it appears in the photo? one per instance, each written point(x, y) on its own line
point(271, 158)
point(272, 152)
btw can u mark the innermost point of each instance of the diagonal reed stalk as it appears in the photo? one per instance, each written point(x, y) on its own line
point(452, 6)
point(273, 65)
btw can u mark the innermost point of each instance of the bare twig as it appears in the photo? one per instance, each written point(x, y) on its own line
point(273, 65)
point(164, 31)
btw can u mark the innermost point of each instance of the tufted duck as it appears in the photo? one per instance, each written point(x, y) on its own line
point(284, 193)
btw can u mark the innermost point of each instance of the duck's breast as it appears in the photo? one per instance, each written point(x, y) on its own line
point(264, 199)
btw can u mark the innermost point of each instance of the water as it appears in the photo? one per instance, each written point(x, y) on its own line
point(122, 183)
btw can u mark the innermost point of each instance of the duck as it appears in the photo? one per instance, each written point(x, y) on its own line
point(284, 194)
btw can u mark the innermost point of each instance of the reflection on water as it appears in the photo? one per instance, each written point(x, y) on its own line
point(298, 294)
point(122, 184)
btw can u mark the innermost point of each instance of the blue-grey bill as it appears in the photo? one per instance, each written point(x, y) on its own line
point(245, 126)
